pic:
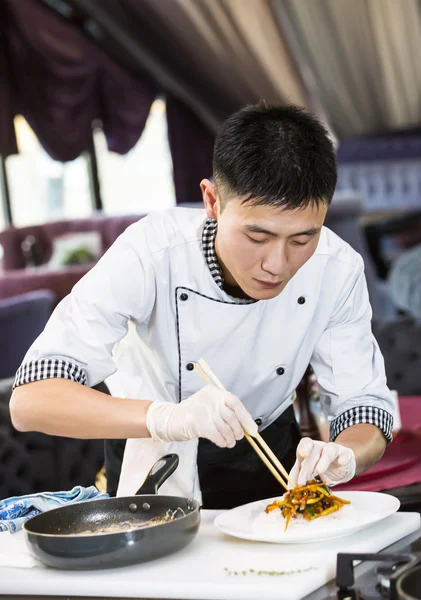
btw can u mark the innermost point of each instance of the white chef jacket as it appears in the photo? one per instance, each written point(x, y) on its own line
point(156, 276)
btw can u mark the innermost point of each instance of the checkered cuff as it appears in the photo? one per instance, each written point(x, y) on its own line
point(48, 368)
point(363, 414)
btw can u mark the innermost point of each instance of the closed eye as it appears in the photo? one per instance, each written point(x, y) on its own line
point(256, 241)
point(296, 243)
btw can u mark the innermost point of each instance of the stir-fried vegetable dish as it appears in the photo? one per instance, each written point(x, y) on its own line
point(310, 502)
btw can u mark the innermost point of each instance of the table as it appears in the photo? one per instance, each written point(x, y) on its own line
point(199, 571)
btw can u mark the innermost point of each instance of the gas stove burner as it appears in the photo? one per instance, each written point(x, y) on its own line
point(397, 578)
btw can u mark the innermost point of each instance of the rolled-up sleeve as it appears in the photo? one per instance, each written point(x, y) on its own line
point(349, 365)
point(78, 340)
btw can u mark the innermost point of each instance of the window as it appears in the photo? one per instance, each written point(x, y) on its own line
point(140, 181)
point(42, 189)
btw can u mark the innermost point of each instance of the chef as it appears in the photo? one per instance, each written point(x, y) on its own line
point(254, 284)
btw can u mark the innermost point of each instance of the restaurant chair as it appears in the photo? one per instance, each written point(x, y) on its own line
point(22, 319)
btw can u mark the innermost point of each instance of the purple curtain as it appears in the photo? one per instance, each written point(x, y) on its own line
point(60, 81)
point(191, 145)
point(7, 129)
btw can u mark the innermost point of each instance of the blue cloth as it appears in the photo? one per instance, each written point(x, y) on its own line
point(15, 511)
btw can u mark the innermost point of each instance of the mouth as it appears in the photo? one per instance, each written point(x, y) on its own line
point(267, 285)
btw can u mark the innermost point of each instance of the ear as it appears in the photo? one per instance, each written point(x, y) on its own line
point(209, 198)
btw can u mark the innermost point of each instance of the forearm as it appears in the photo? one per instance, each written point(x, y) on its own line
point(367, 442)
point(65, 408)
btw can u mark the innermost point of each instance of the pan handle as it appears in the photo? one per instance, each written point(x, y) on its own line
point(159, 473)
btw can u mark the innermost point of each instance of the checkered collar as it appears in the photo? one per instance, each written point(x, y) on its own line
point(208, 245)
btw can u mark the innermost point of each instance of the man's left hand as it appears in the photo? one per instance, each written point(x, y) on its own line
point(332, 462)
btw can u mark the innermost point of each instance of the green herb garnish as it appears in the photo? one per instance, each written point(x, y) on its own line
point(270, 573)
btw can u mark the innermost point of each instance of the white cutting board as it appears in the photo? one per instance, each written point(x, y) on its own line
point(199, 571)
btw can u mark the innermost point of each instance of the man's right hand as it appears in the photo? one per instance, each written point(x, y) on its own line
point(210, 413)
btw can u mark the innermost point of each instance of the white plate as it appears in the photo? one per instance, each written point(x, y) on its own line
point(250, 522)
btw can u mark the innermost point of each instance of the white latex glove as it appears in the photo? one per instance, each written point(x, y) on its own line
point(210, 413)
point(332, 462)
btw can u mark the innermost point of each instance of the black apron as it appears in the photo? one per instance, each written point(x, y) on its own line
point(229, 477)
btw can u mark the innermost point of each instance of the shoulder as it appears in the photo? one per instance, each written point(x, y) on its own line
point(338, 252)
point(166, 229)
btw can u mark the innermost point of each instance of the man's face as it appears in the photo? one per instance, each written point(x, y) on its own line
point(260, 248)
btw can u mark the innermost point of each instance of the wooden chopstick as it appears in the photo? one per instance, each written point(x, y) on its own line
point(274, 459)
point(207, 375)
point(211, 375)
point(263, 457)
point(202, 374)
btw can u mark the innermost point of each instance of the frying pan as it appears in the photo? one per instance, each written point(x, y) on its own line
point(65, 537)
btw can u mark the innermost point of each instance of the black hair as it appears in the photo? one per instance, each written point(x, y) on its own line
point(278, 156)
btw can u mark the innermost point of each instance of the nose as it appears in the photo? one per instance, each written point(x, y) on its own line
point(276, 262)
